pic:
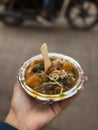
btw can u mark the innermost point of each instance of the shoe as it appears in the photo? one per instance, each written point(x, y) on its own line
point(43, 21)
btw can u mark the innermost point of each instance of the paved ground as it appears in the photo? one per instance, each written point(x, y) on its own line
point(19, 44)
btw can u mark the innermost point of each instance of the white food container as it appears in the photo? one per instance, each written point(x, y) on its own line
point(49, 98)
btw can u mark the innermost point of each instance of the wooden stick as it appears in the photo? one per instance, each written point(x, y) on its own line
point(44, 52)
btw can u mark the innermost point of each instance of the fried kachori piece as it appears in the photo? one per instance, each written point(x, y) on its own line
point(67, 66)
point(33, 80)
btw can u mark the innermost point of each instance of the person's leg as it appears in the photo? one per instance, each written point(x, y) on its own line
point(45, 11)
point(45, 4)
point(45, 15)
point(49, 5)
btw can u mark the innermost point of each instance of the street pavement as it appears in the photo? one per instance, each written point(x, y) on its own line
point(17, 44)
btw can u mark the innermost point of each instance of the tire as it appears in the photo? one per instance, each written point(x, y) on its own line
point(11, 21)
point(80, 17)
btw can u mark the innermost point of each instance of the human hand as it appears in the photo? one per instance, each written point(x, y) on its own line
point(29, 114)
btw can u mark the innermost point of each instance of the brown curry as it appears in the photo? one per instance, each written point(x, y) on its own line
point(60, 77)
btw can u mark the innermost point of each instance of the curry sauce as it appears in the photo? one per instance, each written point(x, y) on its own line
point(60, 77)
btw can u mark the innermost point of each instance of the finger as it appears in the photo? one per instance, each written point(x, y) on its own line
point(18, 90)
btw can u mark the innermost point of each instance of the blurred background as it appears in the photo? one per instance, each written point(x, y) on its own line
point(74, 34)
